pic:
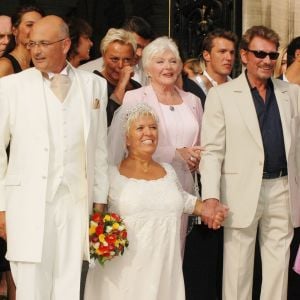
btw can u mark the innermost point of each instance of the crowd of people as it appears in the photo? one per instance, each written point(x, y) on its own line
point(204, 169)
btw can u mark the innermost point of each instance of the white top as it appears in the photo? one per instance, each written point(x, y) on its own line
point(200, 82)
point(151, 267)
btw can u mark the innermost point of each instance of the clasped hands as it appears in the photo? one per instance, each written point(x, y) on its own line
point(191, 155)
point(213, 213)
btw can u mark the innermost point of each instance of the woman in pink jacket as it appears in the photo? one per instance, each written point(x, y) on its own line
point(179, 114)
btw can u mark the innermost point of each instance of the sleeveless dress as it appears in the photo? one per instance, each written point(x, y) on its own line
point(15, 64)
point(151, 267)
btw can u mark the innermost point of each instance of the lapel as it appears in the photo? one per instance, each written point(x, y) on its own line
point(83, 83)
point(284, 106)
point(246, 107)
point(37, 101)
point(150, 98)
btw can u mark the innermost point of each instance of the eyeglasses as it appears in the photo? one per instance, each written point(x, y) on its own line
point(263, 54)
point(42, 44)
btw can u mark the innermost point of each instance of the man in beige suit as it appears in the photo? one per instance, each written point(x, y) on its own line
point(250, 133)
point(57, 166)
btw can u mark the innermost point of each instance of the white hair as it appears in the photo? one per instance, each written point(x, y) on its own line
point(159, 46)
point(137, 111)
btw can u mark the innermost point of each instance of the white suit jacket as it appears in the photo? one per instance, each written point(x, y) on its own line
point(23, 181)
point(232, 163)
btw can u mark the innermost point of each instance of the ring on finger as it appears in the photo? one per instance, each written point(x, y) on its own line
point(192, 158)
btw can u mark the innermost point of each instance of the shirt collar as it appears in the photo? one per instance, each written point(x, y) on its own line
point(64, 71)
point(269, 83)
point(213, 82)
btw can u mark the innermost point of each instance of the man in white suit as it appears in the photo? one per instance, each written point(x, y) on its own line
point(57, 166)
point(250, 136)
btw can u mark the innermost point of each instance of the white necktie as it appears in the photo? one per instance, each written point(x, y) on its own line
point(60, 85)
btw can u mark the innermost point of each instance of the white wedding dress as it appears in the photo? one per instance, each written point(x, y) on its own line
point(151, 267)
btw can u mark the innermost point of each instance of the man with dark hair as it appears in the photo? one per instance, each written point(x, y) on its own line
point(292, 73)
point(204, 247)
point(218, 55)
point(80, 34)
point(246, 167)
point(143, 35)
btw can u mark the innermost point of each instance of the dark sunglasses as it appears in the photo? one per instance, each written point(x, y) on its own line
point(263, 54)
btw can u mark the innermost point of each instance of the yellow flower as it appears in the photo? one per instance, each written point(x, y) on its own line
point(115, 225)
point(92, 230)
point(102, 238)
point(107, 218)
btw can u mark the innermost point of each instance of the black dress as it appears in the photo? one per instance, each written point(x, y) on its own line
point(112, 105)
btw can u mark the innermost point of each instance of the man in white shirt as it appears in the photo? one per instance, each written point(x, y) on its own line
point(57, 166)
point(218, 53)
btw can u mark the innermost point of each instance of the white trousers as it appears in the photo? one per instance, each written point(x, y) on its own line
point(275, 234)
point(57, 277)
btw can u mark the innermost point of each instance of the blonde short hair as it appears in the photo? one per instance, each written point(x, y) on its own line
point(137, 111)
point(117, 35)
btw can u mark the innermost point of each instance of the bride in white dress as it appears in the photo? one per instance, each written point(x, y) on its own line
point(150, 200)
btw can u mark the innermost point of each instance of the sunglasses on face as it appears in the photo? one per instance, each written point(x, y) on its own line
point(263, 54)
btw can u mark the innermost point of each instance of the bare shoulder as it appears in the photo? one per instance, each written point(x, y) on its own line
point(6, 67)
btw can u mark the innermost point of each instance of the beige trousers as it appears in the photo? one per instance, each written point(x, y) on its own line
point(57, 277)
point(275, 234)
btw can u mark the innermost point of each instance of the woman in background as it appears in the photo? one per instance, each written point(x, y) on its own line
point(281, 63)
point(19, 58)
point(118, 50)
point(80, 34)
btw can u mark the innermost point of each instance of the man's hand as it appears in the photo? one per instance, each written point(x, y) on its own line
point(213, 213)
point(221, 212)
point(2, 225)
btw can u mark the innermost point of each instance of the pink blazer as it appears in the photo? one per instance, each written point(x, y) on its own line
point(166, 152)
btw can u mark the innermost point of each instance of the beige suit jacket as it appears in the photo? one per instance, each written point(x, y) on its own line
point(232, 164)
point(23, 181)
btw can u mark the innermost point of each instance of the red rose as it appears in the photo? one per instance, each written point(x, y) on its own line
point(116, 217)
point(123, 234)
point(97, 217)
point(103, 249)
point(99, 229)
point(111, 247)
point(111, 238)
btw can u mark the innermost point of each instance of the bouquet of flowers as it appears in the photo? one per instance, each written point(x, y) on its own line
point(108, 236)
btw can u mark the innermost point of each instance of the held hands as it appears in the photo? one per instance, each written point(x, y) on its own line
point(213, 213)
